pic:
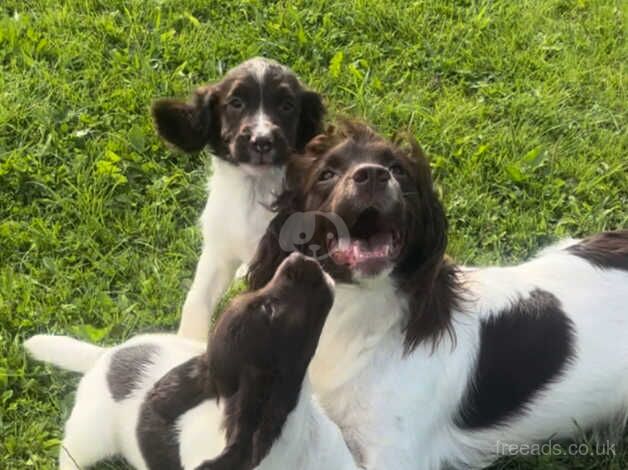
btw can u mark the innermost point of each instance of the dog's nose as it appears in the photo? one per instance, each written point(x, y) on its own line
point(371, 175)
point(299, 268)
point(262, 144)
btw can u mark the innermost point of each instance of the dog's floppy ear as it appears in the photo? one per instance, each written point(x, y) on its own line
point(428, 235)
point(188, 126)
point(430, 281)
point(311, 118)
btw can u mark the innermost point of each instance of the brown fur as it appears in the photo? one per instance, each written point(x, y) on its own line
point(605, 250)
point(256, 362)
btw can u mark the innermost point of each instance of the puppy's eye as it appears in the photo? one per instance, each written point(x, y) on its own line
point(397, 170)
point(286, 106)
point(236, 103)
point(326, 175)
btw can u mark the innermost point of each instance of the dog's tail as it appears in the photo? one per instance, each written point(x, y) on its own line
point(63, 351)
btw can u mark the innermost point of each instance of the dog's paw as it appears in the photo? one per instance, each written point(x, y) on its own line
point(233, 457)
point(180, 389)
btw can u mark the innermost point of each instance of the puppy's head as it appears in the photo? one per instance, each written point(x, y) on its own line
point(278, 326)
point(258, 114)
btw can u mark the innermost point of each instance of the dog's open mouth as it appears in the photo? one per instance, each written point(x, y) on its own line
point(372, 245)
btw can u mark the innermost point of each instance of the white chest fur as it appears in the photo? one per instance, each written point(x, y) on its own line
point(237, 210)
point(384, 401)
point(234, 219)
point(399, 411)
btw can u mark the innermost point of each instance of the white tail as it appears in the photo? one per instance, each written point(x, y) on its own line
point(63, 351)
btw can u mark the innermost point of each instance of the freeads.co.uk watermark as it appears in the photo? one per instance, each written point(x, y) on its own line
point(550, 448)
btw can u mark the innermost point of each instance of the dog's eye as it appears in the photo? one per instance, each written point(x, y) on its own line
point(397, 170)
point(326, 175)
point(235, 103)
point(286, 106)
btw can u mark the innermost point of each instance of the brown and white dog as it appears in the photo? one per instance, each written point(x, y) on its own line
point(256, 365)
point(252, 121)
point(424, 364)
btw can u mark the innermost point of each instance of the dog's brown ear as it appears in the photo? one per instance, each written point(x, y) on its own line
point(311, 118)
point(188, 126)
point(431, 282)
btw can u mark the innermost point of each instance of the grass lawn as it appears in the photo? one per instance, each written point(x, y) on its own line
point(521, 105)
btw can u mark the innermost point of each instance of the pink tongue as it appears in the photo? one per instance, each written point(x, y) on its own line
point(357, 251)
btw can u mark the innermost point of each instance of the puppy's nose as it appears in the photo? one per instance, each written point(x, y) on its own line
point(370, 178)
point(300, 268)
point(368, 173)
point(262, 144)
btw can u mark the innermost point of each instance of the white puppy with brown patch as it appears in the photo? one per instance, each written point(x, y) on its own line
point(119, 410)
point(252, 121)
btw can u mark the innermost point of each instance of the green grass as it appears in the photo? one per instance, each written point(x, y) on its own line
point(521, 105)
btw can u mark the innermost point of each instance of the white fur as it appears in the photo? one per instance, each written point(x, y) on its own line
point(258, 66)
point(263, 125)
point(99, 427)
point(397, 412)
point(234, 219)
point(67, 353)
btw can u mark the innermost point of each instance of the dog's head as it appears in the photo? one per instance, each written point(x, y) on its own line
point(361, 205)
point(257, 114)
point(364, 207)
point(276, 328)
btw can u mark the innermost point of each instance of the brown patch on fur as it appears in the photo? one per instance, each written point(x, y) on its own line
point(126, 368)
point(604, 250)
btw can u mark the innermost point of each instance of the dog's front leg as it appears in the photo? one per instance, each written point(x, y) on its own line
point(214, 273)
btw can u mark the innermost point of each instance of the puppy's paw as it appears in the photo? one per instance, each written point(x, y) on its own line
point(179, 390)
point(233, 457)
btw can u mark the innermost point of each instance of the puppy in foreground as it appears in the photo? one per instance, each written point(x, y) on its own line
point(252, 121)
point(250, 380)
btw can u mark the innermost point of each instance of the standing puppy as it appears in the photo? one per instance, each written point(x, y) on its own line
point(252, 120)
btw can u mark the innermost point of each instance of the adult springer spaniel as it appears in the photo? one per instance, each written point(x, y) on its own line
point(252, 121)
point(424, 364)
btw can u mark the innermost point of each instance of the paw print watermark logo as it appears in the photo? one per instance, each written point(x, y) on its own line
point(298, 230)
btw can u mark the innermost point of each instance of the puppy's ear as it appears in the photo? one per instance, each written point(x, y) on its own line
point(430, 281)
point(429, 238)
point(188, 126)
point(311, 118)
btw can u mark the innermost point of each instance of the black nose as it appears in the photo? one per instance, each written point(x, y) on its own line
point(299, 268)
point(369, 174)
point(262, 144)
